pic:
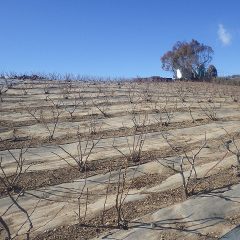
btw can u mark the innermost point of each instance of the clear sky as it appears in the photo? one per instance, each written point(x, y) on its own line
point(124, 38)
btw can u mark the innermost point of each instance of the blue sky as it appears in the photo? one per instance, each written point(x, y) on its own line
point(124, 38)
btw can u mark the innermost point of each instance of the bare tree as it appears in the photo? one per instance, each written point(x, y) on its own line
point(82, 99)
point(132, 93)
point(122, 191)
point(181, 92)
point(140, 120)
point(84, 150)
point(189, 110)
point(231, 145)
point(47, 87)
point(14, 202)
point(11, 182)
point(146, 94)
point(13, 190)
point(164, 114)
point(71, 108)
point(54, 118)
point(121, 185)
point(135, 145)
point(35, 113)
point(210, 110)
point(93, 126)
point(25, 88)
point(107, 192)
point(3, 89)
point(85, 146)
point(66, 89)
point(178, 165)
point(103, 107)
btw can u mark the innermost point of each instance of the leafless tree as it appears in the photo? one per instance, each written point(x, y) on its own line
point(135, 145)
point(232, 146)
point(11, 182)
point(107, 192)
point(235, 97)
point(121, 185)
point(54, 118)
point(66, 89)
point(164, 114)
point(25, 88)
point(140, 120)
point(35, 113)
point(132, 93)
point(178, 165)
point(210, 110)
point(14, 202)
point(13, 190)
point(146, 94)
point(93, 126)
point(80, 197)
point(181, 92)
point(85, 148)
point(82, 98)
point(103, 107)
point(53, 76)
point(71, 108)
point(47, 87)
point(189, 110)
point(3, 89)
point(122, 191)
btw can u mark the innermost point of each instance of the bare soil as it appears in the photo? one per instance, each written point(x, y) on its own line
point(121, 103)
point(155, 201)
